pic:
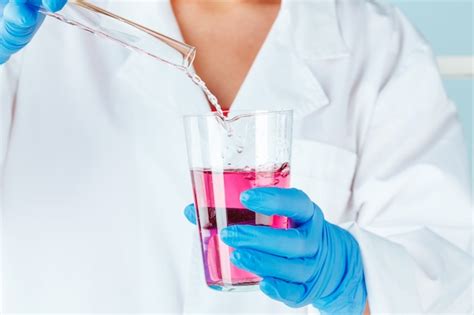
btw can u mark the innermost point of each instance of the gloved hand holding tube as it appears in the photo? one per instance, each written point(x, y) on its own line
point(19, 21)
point(315, 262)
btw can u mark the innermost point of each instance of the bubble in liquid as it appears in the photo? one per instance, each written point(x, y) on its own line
point(240, 149)
point(250, 173)
point(250, 177)
point(266, 174)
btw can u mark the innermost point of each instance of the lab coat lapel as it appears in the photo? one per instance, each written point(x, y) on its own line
point(155, 83)
point(280, 80)
point(283, 74)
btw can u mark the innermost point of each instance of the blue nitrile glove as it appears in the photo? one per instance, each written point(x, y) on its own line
point(315, 262)
point(19, 20)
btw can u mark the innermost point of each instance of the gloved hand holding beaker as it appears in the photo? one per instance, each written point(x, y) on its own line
point(19, 21)
point(315, 262)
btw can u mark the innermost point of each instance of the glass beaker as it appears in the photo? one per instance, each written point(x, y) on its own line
point(248, 150)
point(91, 17)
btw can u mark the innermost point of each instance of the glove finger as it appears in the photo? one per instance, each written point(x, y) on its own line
point(292, 203)
point(267, 265)
point(54, 5)
point(17, 28)
point(3, 58)
point(291, 243)
point(50, 5)
point(31, 2)
point(3, 4)
point(20, 14)
point(190, 213)
point(290, 293)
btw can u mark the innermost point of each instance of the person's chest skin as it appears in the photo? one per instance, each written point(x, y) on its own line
point(228, 37)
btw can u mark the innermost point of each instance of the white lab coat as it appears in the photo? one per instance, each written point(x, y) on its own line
point(95, 175)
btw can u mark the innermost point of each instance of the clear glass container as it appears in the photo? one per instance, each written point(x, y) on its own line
point(91, 17)
point(246, 150)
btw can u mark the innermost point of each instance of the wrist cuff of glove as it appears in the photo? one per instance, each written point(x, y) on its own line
point(352, 303)
point(350, 296)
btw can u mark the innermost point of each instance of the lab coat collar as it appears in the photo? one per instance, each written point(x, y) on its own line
point(284, 73)
point(312, 29)
point(309, 27)
point(282, 76)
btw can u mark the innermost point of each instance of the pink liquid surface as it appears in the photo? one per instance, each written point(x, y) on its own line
point(217, 197)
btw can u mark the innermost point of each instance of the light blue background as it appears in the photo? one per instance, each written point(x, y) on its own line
point(448, 26)
point(460, 91)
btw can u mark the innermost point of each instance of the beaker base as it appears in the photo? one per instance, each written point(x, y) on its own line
point(241, 287)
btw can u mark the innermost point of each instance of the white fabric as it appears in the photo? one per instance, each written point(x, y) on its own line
point(94, 173)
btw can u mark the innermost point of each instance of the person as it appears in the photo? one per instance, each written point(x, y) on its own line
point(93, 164)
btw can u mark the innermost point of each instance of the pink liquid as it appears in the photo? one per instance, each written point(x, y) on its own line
point(217, 197)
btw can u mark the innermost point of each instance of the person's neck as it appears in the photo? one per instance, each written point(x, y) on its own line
point(223, 5)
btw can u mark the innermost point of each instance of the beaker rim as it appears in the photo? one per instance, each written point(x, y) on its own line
point(250, 112)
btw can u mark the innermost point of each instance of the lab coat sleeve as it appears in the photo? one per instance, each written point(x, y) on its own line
point(411, 191)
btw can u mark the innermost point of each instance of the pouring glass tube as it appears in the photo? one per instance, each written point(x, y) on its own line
point(90, 17)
